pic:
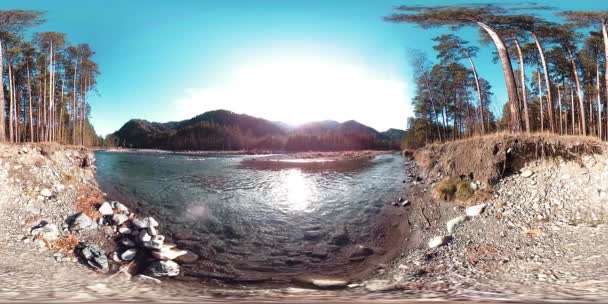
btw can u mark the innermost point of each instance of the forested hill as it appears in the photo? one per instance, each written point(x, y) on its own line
point(225, 130)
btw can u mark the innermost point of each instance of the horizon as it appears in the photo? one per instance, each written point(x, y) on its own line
point(294, 62)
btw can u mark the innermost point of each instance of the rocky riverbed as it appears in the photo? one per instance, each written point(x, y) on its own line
point(540, 235)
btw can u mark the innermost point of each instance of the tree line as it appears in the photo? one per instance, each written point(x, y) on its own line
point(44, 83)
point(555, 72)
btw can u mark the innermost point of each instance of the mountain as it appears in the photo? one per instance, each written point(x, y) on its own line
point(225, 130)
point(394, 134)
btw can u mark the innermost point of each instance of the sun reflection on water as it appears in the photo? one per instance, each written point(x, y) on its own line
point(296, 190)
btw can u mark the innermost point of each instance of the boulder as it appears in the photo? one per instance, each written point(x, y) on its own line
point(439, 241)
point(82, 222)
point(46, 231)
point(127, 242)
point(129, 254)
point(93, 256)
point(105, 209)
point(163, 269)
point(124, 230)
point(476, 210)
point(453, 223)
point(361, 251)
point(144, 236)
point(156, 243)
point(46, 192)
point(168, 254)
point(189, 257)
point(145, 222)
point(152, 231)
point(120, 207)
point(119, 219)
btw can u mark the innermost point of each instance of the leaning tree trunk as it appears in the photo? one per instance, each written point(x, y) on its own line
point(524, 94)
point(579, 92)
point(540, 101)
point(541, 53)
point(483, 129)
point(507, 70)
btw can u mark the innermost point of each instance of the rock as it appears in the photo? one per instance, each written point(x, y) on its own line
point(114, 257)
point(439, 241)
point(127, 242)
point(146, 279)
point(152, 231)
point(120, 207)
point(144, 236)
point(93, 256)
point(82, 222)
point(129, 254)
point(312, 235)
point(453, 223)
point(145, 222)
point(361, 251)
point(527, 173)
point(168, 254)
point(119, 219)
point(156, 243)
point(124, 230)
point(379, 285)
point(475, 210)
point(400, 200)
point(324, 283)
point(46, 192)
point(405, 203)
point(320, 251)
point(106, 209)
point(189, 257)
point(46, 231)
point(163, 269)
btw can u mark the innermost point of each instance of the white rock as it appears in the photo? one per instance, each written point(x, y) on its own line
point(144, 236)
point(49, 232)
point(124, 230)
point(118, 219)
point(527, 173)
point(46, 192)
point(438, 241)
point(129, 254)
point(151, 222)
point(156, 243)
point(475, 210)
point(170, 254)
point(152, 231)
point(106, 209)
point(163, 269)
point(405, 203)
point(453, 223)
point(120, 207)
point(140, 223)
point(127, 242)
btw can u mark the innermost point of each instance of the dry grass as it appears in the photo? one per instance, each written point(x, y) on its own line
point(68, 179)
point(454, 189)
point(66, 243)
point(88, 201)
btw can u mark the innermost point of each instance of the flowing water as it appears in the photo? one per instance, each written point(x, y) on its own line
point(258, 221)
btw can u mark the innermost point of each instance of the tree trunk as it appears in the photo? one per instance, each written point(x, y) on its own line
point(431, 96)
point(578, 92)
point(29, 93)
point(540, 101)
point(572, 107)
point(524, 94)
point(74, 105)
point(10, 104)
point(605, 35)
point(547, 80)
point(2, 102)
point(559, 105)
point(483, 129)
point(509, 77)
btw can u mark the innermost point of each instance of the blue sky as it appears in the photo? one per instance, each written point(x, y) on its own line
point(297, 60)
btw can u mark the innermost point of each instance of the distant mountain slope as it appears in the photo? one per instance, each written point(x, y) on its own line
point(225, 130)
point(394, 134)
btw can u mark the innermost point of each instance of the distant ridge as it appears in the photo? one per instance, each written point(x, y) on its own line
point(225, 130)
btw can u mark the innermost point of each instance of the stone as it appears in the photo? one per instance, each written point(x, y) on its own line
point(145, 222)
point(152, 231)
point(168, 254)
point(361, 251)
point(144, 236)
point(188, 258)
point(312, 235)
point(46, 231)
point(320, 251)
point(106, 209)
point(124, 230)
point(453, 223)
point(146, 279)
point(439, 241)
point(82, 222)
point(400, 200)
point(139, 223)
point(94, 256)
point(127, 242)
point(163, 269)
point(114, 257)
point(46, 192)
point(405, 203)
point(527, 173)
point(476, 210)
point(379, 285)
point(328, 283)
point(156, 243)
point(119, 219)
point(129, 254)
point(120, 207)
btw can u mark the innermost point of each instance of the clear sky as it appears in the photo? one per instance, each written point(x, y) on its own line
point(289, 60)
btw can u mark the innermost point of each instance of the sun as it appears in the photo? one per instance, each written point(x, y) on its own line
point(302, 90)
